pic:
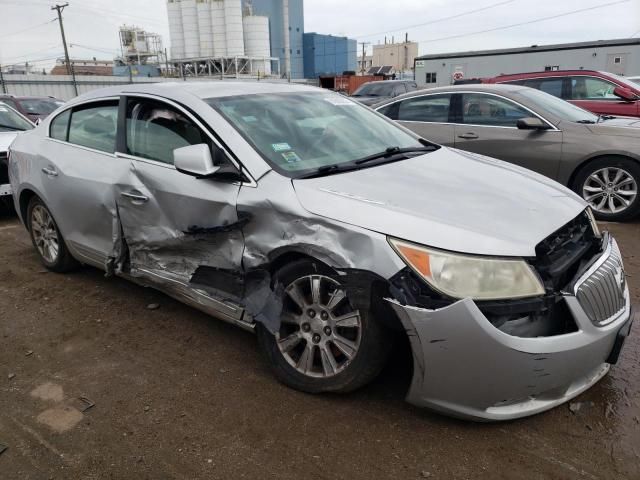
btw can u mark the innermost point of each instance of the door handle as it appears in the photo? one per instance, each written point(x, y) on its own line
point(51, 172)
point(135, 196)
point(468, 136)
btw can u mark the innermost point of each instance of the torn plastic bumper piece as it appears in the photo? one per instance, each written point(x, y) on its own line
point(466, 367)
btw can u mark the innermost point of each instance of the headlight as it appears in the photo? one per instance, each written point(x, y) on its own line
point(463, 276)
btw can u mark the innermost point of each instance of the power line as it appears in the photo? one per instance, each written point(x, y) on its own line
point(529, 22)
point(27, 55)
point(443, 19)
point(28, 28)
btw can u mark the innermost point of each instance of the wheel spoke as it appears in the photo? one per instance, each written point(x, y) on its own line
point(315, 289)
point(305, 364)
point(591, 198)
point(623, 200)
point(601, 203)
point(329, 365)
point(335, 298)
point(626, 181)
point(619, 175)
point(348, 320)
point(288, 343)
point(290, 318)
point(612, 205)
point(347, 347)
point(592, 189)
point(596, 179)
point(629, 193)
point(296, 295)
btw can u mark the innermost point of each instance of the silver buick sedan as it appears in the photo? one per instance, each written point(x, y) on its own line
point(329, 230)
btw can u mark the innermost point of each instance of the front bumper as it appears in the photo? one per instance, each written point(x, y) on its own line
point(464, 366)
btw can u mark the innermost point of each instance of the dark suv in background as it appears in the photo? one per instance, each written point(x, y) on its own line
point(34, 108)
point(375, 92)
point(599, 92)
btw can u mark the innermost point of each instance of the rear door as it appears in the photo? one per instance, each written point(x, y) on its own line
point(488, 125)
point(427, 115)
point(596, 95)
point(174, 224)
point(78, 172)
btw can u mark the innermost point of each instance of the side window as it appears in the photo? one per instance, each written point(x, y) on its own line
point(155, 129)
point(480, 109)
point(591, 88)
point(390, 111)
point(433, 108)
point(552, 86)
point(9, 102)
point(95, 125)
point(59, 126)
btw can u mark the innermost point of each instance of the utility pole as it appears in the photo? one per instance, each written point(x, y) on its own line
point(59, 9)
point(364, 51)
point(4, 88)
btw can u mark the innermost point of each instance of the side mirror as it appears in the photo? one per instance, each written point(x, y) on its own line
point(625, 94)
point(194, 160)
point(532, 123)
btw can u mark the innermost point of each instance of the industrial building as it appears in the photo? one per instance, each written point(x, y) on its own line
point(621, 57)
point(229, 37)
point(142, 53)
point(398, 55)
point(328, 55)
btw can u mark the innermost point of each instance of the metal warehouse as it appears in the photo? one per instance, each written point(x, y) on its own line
point(328, 55)
point(616, 56)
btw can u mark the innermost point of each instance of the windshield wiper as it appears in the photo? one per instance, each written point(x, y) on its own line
point(12, 128)
point(328, 170)
point(586, 121)
point(602, 118)
point(392, 151)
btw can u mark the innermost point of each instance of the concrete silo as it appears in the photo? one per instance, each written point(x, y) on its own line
point(218, 28)
point(233, 27)
point(256, 42)
point(204, 28)
point(175, 29)
point(189, 12)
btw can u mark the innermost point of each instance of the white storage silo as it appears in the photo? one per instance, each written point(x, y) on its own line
point(233, 27)
point(256, 42)
point(189, 12)
point(175, 29)
point(204, 28)
point(218, 28)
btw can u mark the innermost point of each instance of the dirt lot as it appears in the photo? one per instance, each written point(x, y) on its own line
point(180, 395)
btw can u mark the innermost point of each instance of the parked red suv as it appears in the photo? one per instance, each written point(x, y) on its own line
point(600, 92)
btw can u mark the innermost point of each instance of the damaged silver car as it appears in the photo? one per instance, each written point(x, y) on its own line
point(325, 227)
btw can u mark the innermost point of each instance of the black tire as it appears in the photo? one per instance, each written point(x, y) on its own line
point(62, 261)
point(630, 166)
point(374, 347)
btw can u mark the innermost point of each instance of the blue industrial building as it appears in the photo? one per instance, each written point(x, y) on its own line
point(328, 55)
point(273, 10)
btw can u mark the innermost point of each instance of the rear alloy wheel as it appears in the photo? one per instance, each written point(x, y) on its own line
point(325, 343)
point(47, 239)
point(610, 186)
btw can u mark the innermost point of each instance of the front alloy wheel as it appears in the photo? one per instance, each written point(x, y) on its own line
point(610, 190)
point(326, 341)
point(320, 331)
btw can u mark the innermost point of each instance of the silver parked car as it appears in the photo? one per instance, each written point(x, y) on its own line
point(325, 227)
point(12, 124)
point(596, 156)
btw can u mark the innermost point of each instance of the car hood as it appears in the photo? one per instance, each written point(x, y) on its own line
point(5, 140)
point(621, 126)
point(447, 199)
point(369, 100)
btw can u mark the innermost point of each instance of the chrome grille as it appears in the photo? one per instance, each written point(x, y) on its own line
point(601, 290)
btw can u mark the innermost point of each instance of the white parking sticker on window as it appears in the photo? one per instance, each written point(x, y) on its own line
point(3, 109)
point(291, 157)
point(280, 147)
point(250, 119)
point(339, 101)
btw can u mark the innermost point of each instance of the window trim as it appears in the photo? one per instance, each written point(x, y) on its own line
point(552, 128)
point(122, 139)
point(451, 107)
point(70, 110)
point(605, 80)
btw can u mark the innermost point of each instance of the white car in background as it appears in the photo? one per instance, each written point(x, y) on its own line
point(11, 124)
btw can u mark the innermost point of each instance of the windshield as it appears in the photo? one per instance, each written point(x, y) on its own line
point(625, 81)
point(10, 121)
point(563, 110)
point(374, 89)
point(40, 106)
point(301, 132)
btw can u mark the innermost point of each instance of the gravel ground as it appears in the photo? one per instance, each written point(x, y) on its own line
point(177, 394)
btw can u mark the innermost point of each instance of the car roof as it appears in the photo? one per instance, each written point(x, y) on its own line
point(477, 87)
point(551, 73)
point(26, 97)
point(202, 90)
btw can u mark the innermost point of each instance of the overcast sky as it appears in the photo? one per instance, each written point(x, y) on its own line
point(92, 26)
